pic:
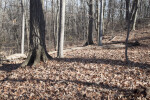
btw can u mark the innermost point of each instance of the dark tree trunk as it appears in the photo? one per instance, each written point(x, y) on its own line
point(37, 50)
point(91, 23)
point(127, 9)
point(131, 18)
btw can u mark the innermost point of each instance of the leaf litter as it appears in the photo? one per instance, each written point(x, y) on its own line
point(84, 74)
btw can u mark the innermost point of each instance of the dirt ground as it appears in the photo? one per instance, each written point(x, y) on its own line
point(88, 73)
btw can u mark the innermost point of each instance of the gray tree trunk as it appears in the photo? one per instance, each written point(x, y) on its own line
point(135, 15)
point(101, 24)
point(23, 26)
point(97, 17)
point(61, 29)
point(37, 51)
point(57, 23)
point(53, 23)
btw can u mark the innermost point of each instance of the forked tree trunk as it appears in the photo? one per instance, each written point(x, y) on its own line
point(37, 51)
point(134, 13)
point(131, 18)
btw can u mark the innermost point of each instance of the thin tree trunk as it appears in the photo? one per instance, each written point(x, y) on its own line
point(23, 26)
point(136, 12)
point(97, 18)
point(131, 18)
point(28, 33)
point(127, 38)
point(57, 24)
point(109, 13)
point(53, 24)
point(101, 24)
point(61, 29)
point(127, 9)
point(121, 12)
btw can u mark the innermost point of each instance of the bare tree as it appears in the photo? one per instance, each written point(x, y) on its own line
point(61, 29)
point(37, 51)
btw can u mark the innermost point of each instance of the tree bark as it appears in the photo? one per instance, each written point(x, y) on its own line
point(23, 26)
point(53, 23)
point(134, 13)
point(61, 29)
point(97, 17)
point(101, 24)
point(127, 9)
point(37, 51)
point(131, 18)
point(91, 23)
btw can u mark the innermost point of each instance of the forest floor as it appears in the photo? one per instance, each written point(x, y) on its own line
point(88, 73)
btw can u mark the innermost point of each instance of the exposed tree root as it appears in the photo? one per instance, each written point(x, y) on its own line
point(88, 43)
point(35, 57)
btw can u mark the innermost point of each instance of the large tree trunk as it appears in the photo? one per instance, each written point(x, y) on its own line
point(37, 51)
point(91, 23)
point(61, 29)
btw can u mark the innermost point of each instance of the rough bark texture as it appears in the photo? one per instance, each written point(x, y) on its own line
point(37, 51)
point(91, 22)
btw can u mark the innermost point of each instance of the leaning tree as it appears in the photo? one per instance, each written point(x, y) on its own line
point(37, 50)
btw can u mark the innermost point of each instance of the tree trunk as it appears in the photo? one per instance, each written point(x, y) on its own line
point(101, 24)
point(131, 18)
point(53, 24)
point(37, 51)
point(127, 9)
point(109, 13)
point(127, 38)
point(91, 21)
point(61, 29)
point(57, 24)
point(23, 26)
point(134, 13)
point(97, 17)
point(121, 12)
